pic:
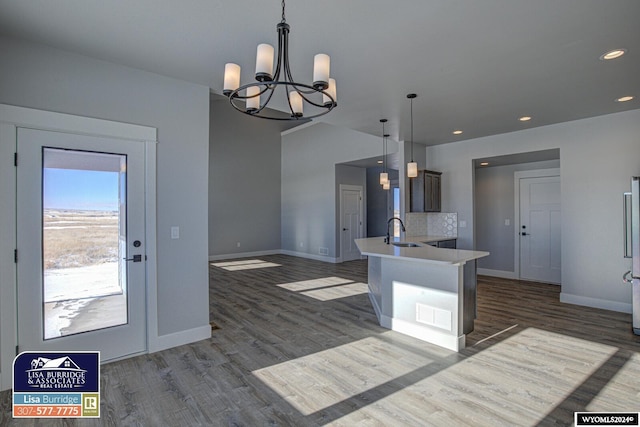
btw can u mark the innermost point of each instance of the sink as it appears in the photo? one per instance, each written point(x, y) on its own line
point(405, 244)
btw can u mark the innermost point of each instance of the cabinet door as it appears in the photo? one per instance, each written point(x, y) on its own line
point(449, 244)
point(435, 191)
point(431, 192)
point(417, 193)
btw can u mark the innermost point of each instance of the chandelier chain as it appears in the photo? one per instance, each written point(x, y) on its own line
point(283, 18)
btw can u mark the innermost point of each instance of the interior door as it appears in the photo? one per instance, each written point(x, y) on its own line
point(351, 207)
point(540, 229)
point(81, 255)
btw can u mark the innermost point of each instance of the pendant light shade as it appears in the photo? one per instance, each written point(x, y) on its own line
point(412, 167)
point(386, 186)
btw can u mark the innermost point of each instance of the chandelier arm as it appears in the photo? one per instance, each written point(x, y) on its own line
point(267, 86)
point(295, 85)
point(254, 114)
point(310, 101)
point(282, 31)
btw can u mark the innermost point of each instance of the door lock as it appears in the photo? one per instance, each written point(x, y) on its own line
point(136, 258)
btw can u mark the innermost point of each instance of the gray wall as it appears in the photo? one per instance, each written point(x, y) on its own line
point(244, 182)
point(495, 202)
point(39, 77)
point(309, 184)
point(379, 202)
point(598, 157)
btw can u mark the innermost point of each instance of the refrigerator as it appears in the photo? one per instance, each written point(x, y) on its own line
point(632, 248)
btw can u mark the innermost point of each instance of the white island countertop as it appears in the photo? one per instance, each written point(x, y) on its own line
point(375, 246)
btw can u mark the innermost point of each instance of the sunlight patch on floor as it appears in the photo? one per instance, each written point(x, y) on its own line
point(327, 288)
point(317, 381)
point(336, 292)
point(533, 370)
point(531, 373)
point(246, 264)
point(322, 282)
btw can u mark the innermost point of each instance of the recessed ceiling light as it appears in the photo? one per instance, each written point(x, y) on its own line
point(380, 162)
point(612, 54)
point(624, 99)
point(457, 132)
point(484, 164)
point(524, 118)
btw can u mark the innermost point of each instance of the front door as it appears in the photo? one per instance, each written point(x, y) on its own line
point(540, 229)
point(81, 243)
point(351, 222)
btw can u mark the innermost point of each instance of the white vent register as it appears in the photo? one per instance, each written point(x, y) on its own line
point(434, 316)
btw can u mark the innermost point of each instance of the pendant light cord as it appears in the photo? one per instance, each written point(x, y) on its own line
point(411, 129)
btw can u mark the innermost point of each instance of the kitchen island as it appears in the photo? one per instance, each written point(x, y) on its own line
point(423, 291)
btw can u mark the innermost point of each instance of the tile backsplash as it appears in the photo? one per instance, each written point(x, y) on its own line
point(432, 224)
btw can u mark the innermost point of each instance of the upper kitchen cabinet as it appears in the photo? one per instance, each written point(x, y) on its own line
point(425, 192)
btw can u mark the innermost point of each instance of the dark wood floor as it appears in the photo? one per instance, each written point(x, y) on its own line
point(298, 344)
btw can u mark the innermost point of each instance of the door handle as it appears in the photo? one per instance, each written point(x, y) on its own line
point(525, 234)
point(625, 277)
point(136, 258)
point(344, 229)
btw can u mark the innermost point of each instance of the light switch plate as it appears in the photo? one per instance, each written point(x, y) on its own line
point(175, 232)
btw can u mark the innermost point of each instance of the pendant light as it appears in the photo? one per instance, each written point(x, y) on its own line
point(384, 176)
point(387, 183)
point(412, 167)
point(296, 94)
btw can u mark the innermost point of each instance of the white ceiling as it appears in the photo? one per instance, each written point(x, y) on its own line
point(475, 65)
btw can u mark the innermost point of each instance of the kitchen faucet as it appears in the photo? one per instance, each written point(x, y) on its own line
point(388, 238)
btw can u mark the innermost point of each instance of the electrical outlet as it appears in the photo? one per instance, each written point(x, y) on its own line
point(507, 222)
point(175, 232)
point(462, 224)
point(301, 244)
point(238, 244)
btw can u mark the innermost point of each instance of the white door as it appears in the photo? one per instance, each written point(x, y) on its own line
point(540, 229)
point(81, 243)
point(351, 222)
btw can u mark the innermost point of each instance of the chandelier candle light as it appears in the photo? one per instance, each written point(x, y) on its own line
point(297, 94)
point(412, 167)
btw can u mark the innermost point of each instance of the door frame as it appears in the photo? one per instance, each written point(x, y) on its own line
point(517, 176)
point(360, 189)
point(11, 118)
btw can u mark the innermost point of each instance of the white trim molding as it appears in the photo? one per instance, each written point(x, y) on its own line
point(621, 307)
point(243, 255)
point(503, 274)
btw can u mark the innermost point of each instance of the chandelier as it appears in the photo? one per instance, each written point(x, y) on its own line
point(253, 98)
